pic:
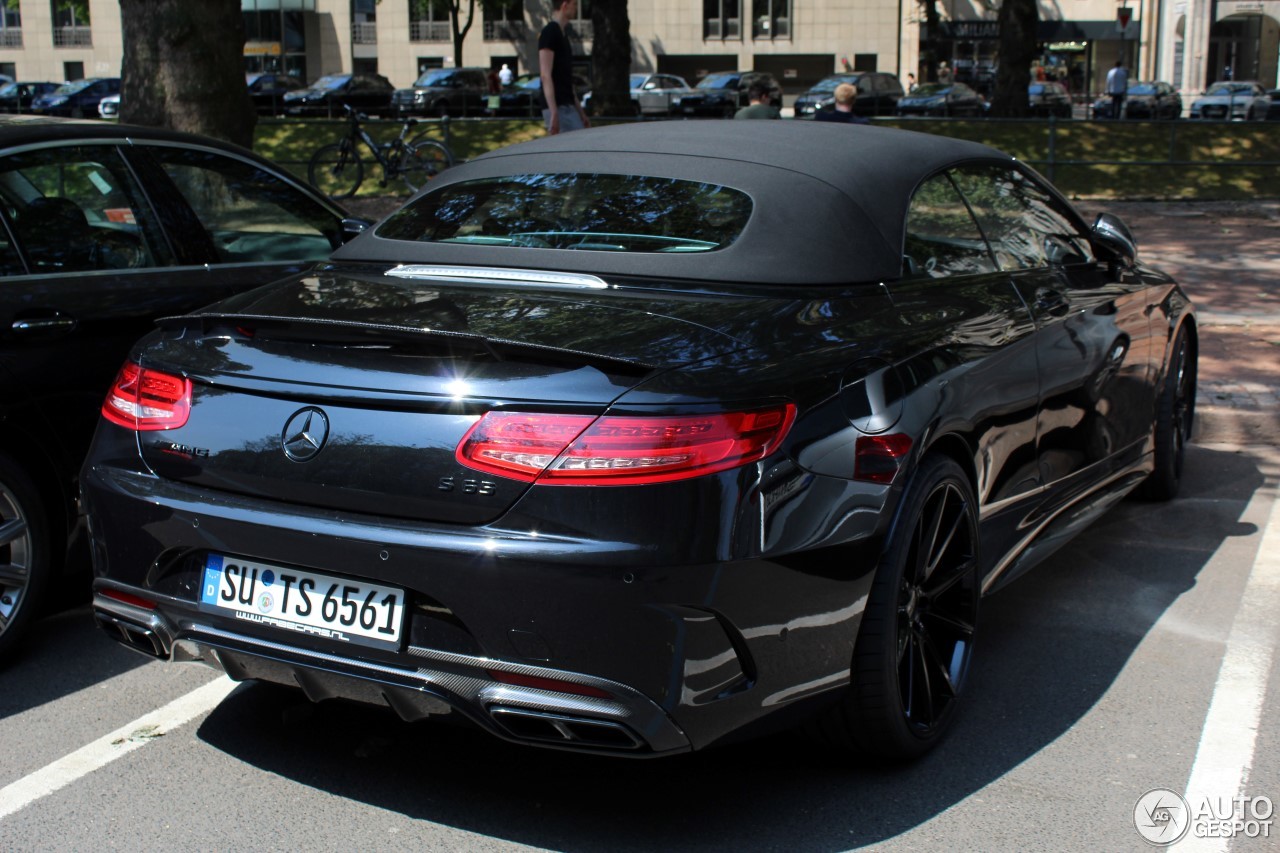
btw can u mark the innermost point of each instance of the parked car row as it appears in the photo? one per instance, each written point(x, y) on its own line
point(465, 91)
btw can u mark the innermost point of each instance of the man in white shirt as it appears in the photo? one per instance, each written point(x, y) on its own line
point(1117, 86)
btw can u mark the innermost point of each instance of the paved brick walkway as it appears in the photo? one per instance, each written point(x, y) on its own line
point(1227, 257)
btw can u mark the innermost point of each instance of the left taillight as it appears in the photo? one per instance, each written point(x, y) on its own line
point(145, 399)
point(620, 449)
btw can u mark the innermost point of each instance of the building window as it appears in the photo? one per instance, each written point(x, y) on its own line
point(581, 24)
point(71, 23)
point(10, 28)
point(364, 22)
point(771, 19)
point(505, 22)
point(722, 19)
point(429, 21)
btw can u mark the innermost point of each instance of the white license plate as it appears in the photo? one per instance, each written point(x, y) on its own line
point(320, 605)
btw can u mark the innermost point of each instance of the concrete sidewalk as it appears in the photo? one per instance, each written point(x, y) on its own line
point(1226, 255)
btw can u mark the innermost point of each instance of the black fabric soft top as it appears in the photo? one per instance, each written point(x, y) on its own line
point(830, 200)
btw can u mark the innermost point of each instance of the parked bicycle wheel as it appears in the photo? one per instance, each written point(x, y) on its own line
point(422, 161)
point(336, 171)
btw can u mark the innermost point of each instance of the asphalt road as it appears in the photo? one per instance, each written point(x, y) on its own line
point(1137, 658)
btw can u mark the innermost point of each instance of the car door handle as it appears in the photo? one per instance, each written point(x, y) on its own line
point(33, 325)
point(1050, 301)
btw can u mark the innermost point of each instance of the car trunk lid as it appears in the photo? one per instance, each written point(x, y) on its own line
point(352, 391)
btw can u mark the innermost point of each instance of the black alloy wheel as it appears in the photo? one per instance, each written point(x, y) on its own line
point(25, 550)
point(1175, 417)
point(915, 645)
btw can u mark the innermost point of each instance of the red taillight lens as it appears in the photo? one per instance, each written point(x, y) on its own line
point(130, 598)
point(877, 458)
point(554, 684)
point(144, 399)
point(620, 449)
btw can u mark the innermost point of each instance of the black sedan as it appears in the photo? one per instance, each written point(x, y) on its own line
point(105, 228)
point(77, 99)
point(365, 93)
point(722, 93)
point(1144, 100)
point(1049, 99)
point(523, 96)
point(17, 97)
point(942, 100)
point(568, 450)
point(267, 91)
point(878, 94)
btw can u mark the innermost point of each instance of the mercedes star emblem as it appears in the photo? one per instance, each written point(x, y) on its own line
point(304, 434)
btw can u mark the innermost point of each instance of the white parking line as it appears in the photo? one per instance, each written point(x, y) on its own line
point(108, 748)
point(1229, 738)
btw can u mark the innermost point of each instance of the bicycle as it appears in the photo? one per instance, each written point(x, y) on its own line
point(337, 169)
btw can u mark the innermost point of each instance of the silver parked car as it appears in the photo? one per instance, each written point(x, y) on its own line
point(652, 94)
point(1232, 99)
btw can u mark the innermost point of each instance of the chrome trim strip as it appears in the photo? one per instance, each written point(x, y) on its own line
point(499, 275)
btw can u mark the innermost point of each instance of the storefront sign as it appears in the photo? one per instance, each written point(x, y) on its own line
point(970, 30)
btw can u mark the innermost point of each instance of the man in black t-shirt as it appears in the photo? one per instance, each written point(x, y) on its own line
point(555, 66)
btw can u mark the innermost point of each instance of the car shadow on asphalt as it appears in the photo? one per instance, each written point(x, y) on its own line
point(1051, 646)
point(60, 655)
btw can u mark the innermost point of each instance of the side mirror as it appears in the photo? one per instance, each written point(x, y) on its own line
point(1114, 239)
point(353, 228)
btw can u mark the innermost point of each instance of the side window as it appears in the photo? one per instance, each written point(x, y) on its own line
point(942, 238)
point(78, 209)
point(1026, 225)
point(866, 85)
point(249, 213)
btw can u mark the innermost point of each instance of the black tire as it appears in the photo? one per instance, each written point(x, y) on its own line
point(336, 171)
point(26, 554)
point(915, 645)
point(422, 161)
point(1175, 415)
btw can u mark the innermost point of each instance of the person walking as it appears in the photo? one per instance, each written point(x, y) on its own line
point(505, 75)
point(759, 106)
point(1117, 87)
point(555, 66)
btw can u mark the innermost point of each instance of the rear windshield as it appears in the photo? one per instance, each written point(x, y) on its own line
point(595, 212)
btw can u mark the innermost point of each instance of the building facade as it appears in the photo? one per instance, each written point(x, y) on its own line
point(1187, 42)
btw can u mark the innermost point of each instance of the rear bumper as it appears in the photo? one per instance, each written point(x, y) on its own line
point(437, 685)
point(687, 653)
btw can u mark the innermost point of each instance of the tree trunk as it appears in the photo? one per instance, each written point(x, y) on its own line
point(929, 44)
point(460, 29)
point(1018, 22)
point(610, 58)
point(183, 68)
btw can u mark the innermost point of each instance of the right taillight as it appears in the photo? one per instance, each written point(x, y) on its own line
point(144, 399)
point(878, 458)
point(578, 450)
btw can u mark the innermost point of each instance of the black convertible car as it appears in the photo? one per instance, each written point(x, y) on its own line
point(566, 448)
